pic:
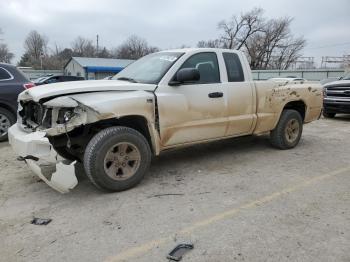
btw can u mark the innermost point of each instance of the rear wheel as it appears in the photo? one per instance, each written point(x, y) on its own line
point(288, 131)
point(7, 119)
point(117, 158)
point(328, 115)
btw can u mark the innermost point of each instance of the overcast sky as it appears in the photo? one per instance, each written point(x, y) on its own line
point(169, 24)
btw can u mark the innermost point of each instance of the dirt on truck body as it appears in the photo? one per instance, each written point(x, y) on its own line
point(165, 100)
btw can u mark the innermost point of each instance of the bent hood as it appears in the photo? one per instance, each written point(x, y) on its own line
point(78, 87)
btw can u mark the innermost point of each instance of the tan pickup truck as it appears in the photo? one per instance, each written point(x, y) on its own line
point(164, 100)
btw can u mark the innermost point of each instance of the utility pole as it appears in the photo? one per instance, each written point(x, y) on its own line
point(96, 45)
point(41, 60)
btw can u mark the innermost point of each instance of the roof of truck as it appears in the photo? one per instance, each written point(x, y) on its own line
point(186, 50)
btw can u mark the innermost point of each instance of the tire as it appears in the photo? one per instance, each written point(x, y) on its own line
point(288, 131)
point(117, 158)
point(7, 119)
point(328, 115)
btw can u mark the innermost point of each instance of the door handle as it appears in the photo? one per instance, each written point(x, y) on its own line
point(216, 94)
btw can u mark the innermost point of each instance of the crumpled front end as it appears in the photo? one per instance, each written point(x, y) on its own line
point(35, 149)
point(65, 125)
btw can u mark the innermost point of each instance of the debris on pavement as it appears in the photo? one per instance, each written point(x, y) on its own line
point(167, 194)
point(19, 250)
point(177, 253)
point(40, 221)
point(109, 223)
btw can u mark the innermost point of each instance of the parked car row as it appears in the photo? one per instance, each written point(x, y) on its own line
point(56, 79)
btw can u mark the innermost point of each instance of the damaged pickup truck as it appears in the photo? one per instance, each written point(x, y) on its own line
point(164, 100)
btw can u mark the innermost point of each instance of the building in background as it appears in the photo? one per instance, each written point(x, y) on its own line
point(94, 68)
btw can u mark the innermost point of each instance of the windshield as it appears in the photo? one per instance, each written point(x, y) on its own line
point(149, 69)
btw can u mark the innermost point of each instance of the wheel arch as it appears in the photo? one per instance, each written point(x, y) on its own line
point(297, 105)
point(145, 127)
point(137, 122)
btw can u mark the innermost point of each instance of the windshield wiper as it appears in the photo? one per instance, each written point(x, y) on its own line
point(127, 79)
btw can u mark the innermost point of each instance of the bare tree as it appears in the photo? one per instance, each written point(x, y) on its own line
point(57, 57)
point(104, 53)
point(36, 50)
point(287, 53)
point(134, 48)
point(83, 47)
point(216, 43)
point(5, 55)
point(36, 45)
point(275, 47)
point(238, 30)
point(268, 43)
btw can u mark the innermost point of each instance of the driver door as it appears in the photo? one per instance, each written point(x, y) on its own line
point(195, 111)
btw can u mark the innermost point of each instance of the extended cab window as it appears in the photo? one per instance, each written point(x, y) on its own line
point(4, 75)
point(207, 65)
point(233, 67)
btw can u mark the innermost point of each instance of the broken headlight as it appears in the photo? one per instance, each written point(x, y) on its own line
point(65, 115)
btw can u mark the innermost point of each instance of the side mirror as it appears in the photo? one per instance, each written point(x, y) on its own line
point(186, 75)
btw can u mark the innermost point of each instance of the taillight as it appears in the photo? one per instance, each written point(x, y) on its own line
point(28, 85)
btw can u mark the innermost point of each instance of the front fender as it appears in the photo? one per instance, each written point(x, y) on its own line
point(118, 104)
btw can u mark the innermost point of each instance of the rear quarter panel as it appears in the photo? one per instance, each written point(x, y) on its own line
point(273, 97)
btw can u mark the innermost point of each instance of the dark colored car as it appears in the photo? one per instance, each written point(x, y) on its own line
point(12, 82)
point(56, 79)
point(337, 97)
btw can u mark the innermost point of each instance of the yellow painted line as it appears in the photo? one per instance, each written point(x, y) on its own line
point(144, 248)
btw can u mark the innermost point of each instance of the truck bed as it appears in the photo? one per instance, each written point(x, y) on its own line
point(271, 97)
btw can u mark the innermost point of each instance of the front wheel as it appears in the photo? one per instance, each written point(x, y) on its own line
point(288, 131)
point(117, 158)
